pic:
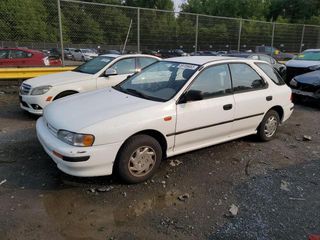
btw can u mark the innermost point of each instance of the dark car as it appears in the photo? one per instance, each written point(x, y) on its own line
point(307, 85)
point(204, 53)
point(307, 61)
point(172, 53)
point(55, 53)
point(151, 52)
point(281, 68)
point(274, 52)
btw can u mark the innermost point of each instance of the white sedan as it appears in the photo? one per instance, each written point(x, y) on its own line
point(171, 107)
point(103, 71)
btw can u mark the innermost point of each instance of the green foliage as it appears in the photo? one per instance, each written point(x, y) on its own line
point(37, 21)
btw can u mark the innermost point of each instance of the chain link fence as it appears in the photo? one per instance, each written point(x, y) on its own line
point(80, 24)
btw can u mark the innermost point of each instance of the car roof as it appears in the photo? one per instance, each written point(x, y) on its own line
point(23, 49)
point(199, 60)
point(312, 50)
point(128, 55)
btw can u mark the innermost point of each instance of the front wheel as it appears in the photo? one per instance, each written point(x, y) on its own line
point(139, 158)
point(268, 126)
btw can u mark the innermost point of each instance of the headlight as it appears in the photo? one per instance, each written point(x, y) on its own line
point(40, 90)
point(293, 82)
point(76, 139)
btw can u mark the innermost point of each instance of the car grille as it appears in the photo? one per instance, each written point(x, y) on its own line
point(25, 89)
point(293, 71)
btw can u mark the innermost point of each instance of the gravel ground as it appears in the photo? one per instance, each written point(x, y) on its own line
point(274, 189)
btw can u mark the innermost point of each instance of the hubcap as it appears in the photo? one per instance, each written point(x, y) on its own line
point(271, 126)
point(142, 161)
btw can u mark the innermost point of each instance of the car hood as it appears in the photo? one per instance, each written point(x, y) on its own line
point(312, 78)
point(58, 78)
point(82, 110)
point(301, 63)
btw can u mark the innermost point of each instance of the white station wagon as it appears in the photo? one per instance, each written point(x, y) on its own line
point(171, 107)
point(103, 71)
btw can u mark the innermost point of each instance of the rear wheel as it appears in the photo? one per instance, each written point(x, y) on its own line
point(139, 158)
point(268, 126)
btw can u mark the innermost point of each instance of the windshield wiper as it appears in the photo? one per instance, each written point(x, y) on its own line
point(137, 93)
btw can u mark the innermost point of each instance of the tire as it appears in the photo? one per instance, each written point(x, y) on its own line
point(64, 94)
point(272, 120)
point(146, 164)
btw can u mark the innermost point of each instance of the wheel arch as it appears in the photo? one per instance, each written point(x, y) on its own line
point(65, 93)
point(152, 133)
point(279, 110)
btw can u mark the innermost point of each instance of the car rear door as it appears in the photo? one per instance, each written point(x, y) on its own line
point(22, 58)
point(252, 98)
point(202, 123)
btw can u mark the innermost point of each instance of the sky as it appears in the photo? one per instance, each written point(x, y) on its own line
point(177, 3)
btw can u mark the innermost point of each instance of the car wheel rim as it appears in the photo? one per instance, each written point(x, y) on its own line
point(271, 126)
point(142, 161)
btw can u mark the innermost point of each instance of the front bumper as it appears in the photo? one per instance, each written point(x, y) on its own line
point(29, 103)
point(99, 163)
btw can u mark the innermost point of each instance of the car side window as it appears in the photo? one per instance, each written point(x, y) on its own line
point(125, 66)
point(265, 58)
point(244, 78)
point(4, 54)
point(18, 54)
point(271, 73)
point(145, 61)
point(213, 82)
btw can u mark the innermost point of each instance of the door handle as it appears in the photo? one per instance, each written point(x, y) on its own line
point(227, 107)
point(269, 98)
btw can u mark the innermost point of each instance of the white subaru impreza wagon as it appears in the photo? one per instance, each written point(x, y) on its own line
point(173, 106)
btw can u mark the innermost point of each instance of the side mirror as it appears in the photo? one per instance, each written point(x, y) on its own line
point(191, 96)
point(110, 72)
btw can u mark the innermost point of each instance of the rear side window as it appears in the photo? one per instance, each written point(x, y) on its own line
point(145, 61)
point(271, 73)
point(244, 78)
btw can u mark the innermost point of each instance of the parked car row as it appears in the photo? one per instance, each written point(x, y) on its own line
point(109, 116)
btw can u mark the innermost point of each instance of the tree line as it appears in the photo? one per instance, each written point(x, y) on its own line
point(37, 20)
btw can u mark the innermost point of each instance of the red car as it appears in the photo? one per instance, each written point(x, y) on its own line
point(21, 57)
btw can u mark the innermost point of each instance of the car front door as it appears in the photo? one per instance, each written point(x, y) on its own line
point(123, 68)
point(203, 122)
point(252, 98)
point(4, 57)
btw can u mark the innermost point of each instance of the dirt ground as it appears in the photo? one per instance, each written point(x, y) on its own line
point(275, 187)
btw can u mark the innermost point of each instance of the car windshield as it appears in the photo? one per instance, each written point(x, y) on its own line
point(94, 65)
point(159, 81)
point(309, 56)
